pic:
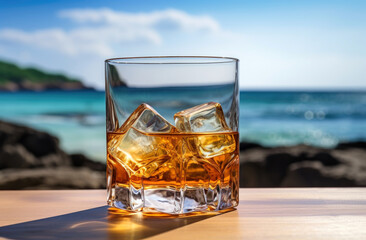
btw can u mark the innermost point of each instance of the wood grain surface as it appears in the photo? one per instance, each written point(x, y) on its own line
point(292, 213)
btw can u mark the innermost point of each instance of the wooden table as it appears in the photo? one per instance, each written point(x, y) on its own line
point(307, 213)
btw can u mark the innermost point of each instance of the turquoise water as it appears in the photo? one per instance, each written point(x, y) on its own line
point(269, 118)
point(77, 118)
point(316, 118)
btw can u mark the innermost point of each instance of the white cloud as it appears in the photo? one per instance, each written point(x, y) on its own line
point(271, 55)
point(69, 43)
point(170, 19)
point(98, 31)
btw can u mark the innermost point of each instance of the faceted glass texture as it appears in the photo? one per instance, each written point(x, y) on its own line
point(154, 167)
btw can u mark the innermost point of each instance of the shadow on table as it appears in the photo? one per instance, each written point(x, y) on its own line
point(95, 223)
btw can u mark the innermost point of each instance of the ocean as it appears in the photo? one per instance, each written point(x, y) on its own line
point(271, 118)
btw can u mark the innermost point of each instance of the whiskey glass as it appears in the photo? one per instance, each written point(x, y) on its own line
point(172, 134)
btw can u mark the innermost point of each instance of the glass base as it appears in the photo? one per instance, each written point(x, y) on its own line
point(166, 202)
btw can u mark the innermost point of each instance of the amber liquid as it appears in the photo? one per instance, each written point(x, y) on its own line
point(175, 161)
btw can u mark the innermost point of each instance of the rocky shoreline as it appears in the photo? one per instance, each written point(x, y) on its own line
point(14, 78)
point(303, 166)
point(32, 159)
point(38, 87)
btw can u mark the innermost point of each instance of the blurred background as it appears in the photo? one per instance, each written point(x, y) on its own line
point(302, 82)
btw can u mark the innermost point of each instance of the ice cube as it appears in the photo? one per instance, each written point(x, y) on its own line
point(142, 151)
point(141, 155)
point(207, 117)
point(148, 120)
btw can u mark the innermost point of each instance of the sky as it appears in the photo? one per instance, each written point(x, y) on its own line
point(281, 44)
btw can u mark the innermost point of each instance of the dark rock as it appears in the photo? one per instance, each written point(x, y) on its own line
point(16, 156)
point(248, 145)
point(253, 174)
point(276, 167)
point(54, 160)
point(325, 158)
point(38, 143)
point(31, 159)
point(79, 160)
point(347, 145)
point(313, 174)
point(34, 86)
point(51, 178)
point(283, 166)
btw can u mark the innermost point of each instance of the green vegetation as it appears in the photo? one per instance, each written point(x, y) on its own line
point(12, 73)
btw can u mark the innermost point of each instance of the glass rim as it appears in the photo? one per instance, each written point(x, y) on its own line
point(171, 60)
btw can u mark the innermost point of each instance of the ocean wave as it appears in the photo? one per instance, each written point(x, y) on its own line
point(85, 119)
point(307, 114)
